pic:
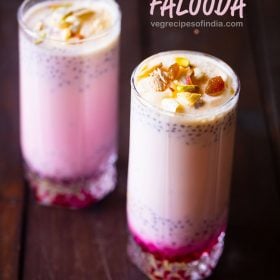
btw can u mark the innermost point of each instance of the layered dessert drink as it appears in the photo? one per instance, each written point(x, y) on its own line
point(181, 147)
point(69, 98)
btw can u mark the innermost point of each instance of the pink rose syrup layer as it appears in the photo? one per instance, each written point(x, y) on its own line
point(181, 254)
point(188, 267)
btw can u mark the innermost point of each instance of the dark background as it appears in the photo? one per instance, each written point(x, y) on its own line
point(50, 243)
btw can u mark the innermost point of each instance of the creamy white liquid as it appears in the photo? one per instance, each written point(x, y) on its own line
point(180, 164)
point(69, 95)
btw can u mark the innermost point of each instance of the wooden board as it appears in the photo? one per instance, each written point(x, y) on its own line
point(130, 56)
point(263, 21)
point(11, 186)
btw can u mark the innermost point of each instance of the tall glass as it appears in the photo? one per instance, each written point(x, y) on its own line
point(68, 111)
point(179, 185)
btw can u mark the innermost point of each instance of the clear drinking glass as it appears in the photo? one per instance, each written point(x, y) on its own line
point(179, 184)
point(68, 111)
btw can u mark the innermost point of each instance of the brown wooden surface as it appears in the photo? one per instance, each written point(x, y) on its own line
point(51, 243)
point(11, 184)
point(264, 32)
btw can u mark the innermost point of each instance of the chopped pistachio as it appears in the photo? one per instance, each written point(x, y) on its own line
point(187, 88)
point(188, 98)
point(41, 37)
point(171, 105)
point(145, 71)
point(38, 41)
point(183, 61)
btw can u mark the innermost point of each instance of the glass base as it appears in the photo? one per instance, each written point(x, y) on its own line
point(74, 193)
point(171, 270)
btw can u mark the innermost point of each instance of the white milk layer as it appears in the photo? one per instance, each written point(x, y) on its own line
point(180, 164)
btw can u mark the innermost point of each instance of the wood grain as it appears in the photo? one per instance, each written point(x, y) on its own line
point(130, 56)
point(11, 187)
point(263, 21)
point(87, 244)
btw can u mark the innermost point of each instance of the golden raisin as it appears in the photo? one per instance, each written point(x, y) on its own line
point(215, 86)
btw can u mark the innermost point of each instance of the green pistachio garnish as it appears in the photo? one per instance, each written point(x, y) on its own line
point(41, 37)
point(187, 88)
point(188, 98)
point(182, 61)
point(145, 71)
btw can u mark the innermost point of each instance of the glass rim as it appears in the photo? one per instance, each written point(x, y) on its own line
point(34, 35)
point(213, 112)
